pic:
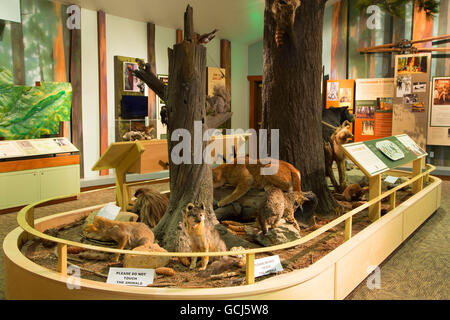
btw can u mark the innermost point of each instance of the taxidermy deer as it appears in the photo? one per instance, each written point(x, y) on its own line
point(284, 14)
point(334, 152)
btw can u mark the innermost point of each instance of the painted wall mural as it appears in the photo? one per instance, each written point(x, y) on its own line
point(38, 49)
point(28, 112)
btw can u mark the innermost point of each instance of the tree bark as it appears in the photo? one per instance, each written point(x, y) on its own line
point(292, 98)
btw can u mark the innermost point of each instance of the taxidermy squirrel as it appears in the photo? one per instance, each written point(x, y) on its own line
point(219, 102)
point(335, 153)
point(279, 205)
point(204, 238)
point(245, 176)
point(150, 205)
point(135, 234)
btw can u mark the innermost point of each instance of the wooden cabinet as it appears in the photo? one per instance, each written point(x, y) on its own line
point(21, 188)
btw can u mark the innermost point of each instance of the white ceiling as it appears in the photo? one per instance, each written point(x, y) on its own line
point(237, 20)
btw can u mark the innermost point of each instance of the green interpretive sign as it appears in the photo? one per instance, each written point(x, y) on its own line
point(380, 155)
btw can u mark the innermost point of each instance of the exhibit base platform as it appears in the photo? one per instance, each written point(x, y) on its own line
point(332, 277)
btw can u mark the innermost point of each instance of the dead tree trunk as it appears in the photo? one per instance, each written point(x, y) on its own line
point(291, 89)
point(190, 180)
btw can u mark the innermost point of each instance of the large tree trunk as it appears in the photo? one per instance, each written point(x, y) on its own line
point(191, 180)
point(292, 98)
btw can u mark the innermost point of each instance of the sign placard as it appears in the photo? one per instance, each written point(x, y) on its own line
point(265, 266)
point(380, 155)
point(131, 277)
point(110, 211)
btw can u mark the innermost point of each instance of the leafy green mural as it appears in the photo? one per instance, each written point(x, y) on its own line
point(32, 112)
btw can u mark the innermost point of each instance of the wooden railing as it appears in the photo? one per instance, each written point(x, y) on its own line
point(25, 219)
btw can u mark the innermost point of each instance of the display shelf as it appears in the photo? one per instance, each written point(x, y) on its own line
point(32, 170)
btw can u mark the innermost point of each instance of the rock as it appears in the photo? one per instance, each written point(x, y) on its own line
point(122, 216)
point(282, 234)
point(146, 262)
point(387, 186)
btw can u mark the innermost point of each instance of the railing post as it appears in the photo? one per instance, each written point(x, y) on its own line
point(250, 268)
point(375, 191)
point(348, 229)
point(417, 170)
point(392, 201)
point(62, 258)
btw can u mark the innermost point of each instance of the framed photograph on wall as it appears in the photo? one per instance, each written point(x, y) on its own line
point(440, 102)
point(130, 82)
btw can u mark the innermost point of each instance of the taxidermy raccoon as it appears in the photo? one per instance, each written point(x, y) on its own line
point(279, 205)
point(284, 14)
point(150, 205)
point(203, 237)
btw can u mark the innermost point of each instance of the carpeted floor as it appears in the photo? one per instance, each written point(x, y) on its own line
point(418, 269)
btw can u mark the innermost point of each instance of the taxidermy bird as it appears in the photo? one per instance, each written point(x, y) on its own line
point(163, 114)
point(207, 37)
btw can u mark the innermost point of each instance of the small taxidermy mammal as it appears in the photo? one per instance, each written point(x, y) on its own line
point(283, 12)
point(279, 205)
point(150, 205)
point(135, 234)
point(245, 176)
point(354, 192)
point(204, 238)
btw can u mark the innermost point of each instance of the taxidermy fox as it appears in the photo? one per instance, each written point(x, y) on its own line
point(279, 205)
point(135, 234)
point(245, 176)
point(204, 238)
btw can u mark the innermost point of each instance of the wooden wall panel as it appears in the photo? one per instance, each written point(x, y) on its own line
point(179, 35)
point(102, 72)
point(75, 79)
point(151, 58)
point(339, 41)
point(225, 62)
point(422, 28)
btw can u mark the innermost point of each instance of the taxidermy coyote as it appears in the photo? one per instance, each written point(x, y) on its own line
point(135, 234)
point(279, 205)
point(204, 238)
point(334, 152)
point(245, 176)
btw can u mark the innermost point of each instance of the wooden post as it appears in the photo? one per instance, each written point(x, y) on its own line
point(250, 268)
point(348, 229)
point(62, 258)
point(189, 24)
point(417, 170)
point(375, 191)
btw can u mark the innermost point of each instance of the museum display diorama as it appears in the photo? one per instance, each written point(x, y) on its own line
point(330, 176)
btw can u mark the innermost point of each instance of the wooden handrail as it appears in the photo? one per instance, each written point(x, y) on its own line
point(25, 219)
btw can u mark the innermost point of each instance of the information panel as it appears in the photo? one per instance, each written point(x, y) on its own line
point(377, 156)
point(35, 147)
